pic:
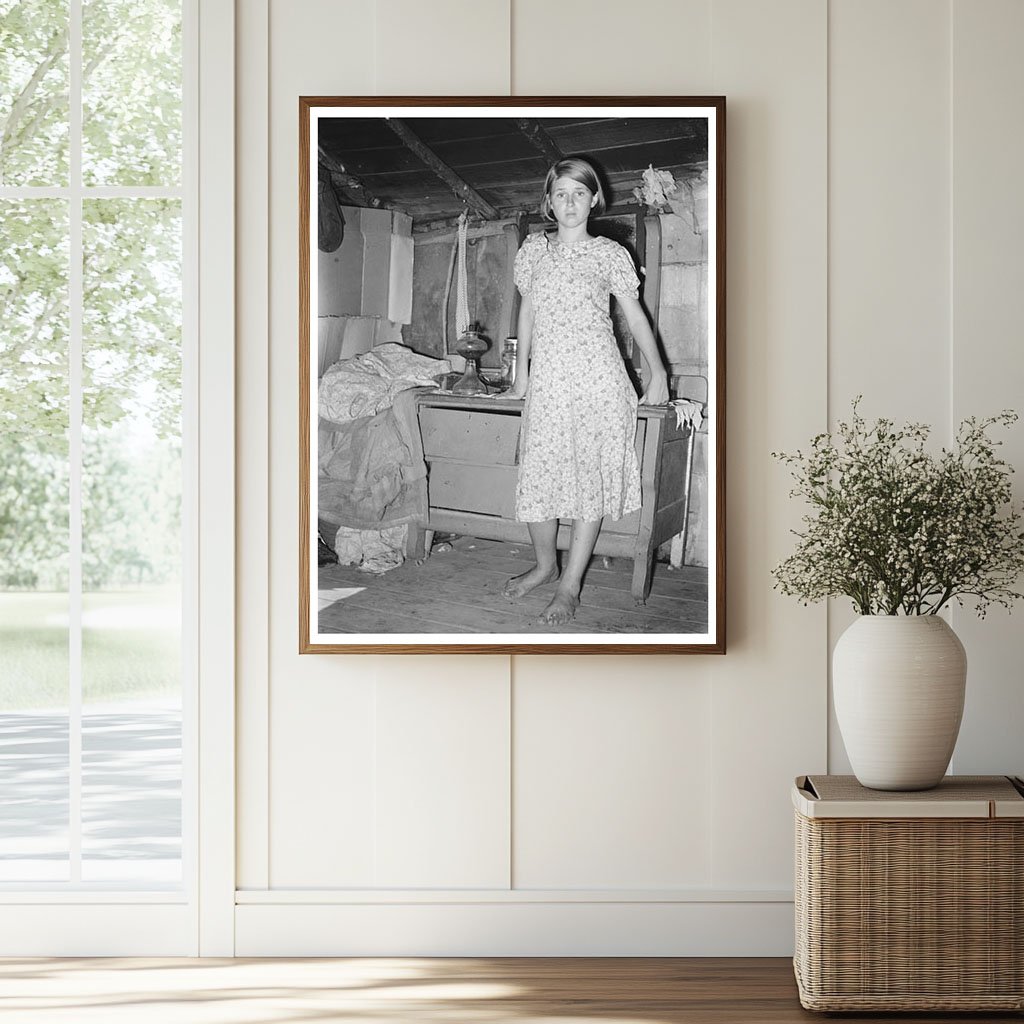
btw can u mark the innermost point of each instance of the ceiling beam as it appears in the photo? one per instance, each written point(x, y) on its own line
point(461, 188)
point(348, 183)
point(538, 135)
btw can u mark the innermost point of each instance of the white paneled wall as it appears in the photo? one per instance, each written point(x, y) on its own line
point(580, 48)
point(442, 771)
point(889, 212)
point(625, 805)
point(252, 463)
point(316, 819)
point(620, 761)
point(321, 817)
point(986, 372)
point(441, 48)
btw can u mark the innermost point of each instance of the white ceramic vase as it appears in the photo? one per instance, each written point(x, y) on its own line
point(898, 685)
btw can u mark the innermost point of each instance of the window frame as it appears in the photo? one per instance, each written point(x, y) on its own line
point(75, 918)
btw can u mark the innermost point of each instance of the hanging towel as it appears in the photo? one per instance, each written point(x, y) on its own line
point(461, 284)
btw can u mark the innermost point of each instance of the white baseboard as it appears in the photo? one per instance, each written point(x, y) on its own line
point(99, 928)
point(520, 928)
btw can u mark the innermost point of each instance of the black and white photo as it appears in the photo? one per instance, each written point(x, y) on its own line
point(511, 375)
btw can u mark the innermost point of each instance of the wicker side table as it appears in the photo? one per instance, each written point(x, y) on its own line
point(910, 901)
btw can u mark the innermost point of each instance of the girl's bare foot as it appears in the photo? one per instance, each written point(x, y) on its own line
point(522, 584)
point(561, 609)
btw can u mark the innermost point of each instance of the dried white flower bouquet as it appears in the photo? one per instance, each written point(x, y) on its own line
point(900, 530)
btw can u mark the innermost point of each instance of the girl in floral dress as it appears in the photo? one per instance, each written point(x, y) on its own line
point(577, 457)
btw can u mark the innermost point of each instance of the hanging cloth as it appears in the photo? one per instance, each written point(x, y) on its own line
point(330, 219)
point(462, 320)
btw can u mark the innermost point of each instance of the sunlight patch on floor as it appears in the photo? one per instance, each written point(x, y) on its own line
point(119, 991)
point(328, 597)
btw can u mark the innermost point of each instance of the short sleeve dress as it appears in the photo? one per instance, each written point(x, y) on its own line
point(577, 458)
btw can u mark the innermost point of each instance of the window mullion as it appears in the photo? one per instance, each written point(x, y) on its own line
point(94, 191)
point(75, 333)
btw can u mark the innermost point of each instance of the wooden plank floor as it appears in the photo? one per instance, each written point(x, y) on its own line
point(458, 590)
point(416, 991)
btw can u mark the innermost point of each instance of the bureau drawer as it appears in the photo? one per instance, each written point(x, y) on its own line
point(473, 460)
point(489, 490)
point(480, 438)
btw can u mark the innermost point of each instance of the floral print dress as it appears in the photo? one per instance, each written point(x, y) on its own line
point(577, 458)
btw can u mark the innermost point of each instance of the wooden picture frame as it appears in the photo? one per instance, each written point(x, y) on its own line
point(391, 461)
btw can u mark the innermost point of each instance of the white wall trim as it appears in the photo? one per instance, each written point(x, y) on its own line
point(216, 301)
point(95, 897)
point(68, 927)
point(518, 929)
point(253, 519)
point(363, 897)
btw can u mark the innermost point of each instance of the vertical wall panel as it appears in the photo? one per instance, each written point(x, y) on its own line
point(442, 774)
point(251, 465)
point(320, 708)
point(323, 762)
point(987, 364)
point(769, 692)
point(611, 783)
point(889, 243)
point(579, 48)
point(442, 48)
point(889, 209)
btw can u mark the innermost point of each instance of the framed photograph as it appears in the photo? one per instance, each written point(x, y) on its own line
point(512, 375)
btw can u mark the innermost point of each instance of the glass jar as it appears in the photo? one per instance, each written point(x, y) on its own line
point(508, 361)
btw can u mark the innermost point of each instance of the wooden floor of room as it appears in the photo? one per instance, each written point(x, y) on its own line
point(458, 590)
point(415, 991)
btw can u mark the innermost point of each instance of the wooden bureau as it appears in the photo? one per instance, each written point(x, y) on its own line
point(471, 447)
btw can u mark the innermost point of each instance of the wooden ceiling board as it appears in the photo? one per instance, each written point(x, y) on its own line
point(357, 132)
point(630, 130)
point(367, 162)
point(636, 158)
point(507, 172)
point(496, 159)
point(454, 129)
point(475, 152)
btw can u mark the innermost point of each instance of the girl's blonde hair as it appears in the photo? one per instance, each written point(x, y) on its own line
point(580, 170)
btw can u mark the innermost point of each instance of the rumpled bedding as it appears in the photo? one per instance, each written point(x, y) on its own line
point(374, 551)
point(365, 384)
point(361, 469)
point(372, 477)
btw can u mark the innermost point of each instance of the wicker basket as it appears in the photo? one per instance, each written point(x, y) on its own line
point(910, 901)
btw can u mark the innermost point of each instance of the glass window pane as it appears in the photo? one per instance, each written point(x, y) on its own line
point(33, 92)
point(131, 541)
point(131, 758)
point(33, 540)
point(131, 92)
point(34, 778)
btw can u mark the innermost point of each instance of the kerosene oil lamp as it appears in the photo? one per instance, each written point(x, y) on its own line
point(471, 346)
